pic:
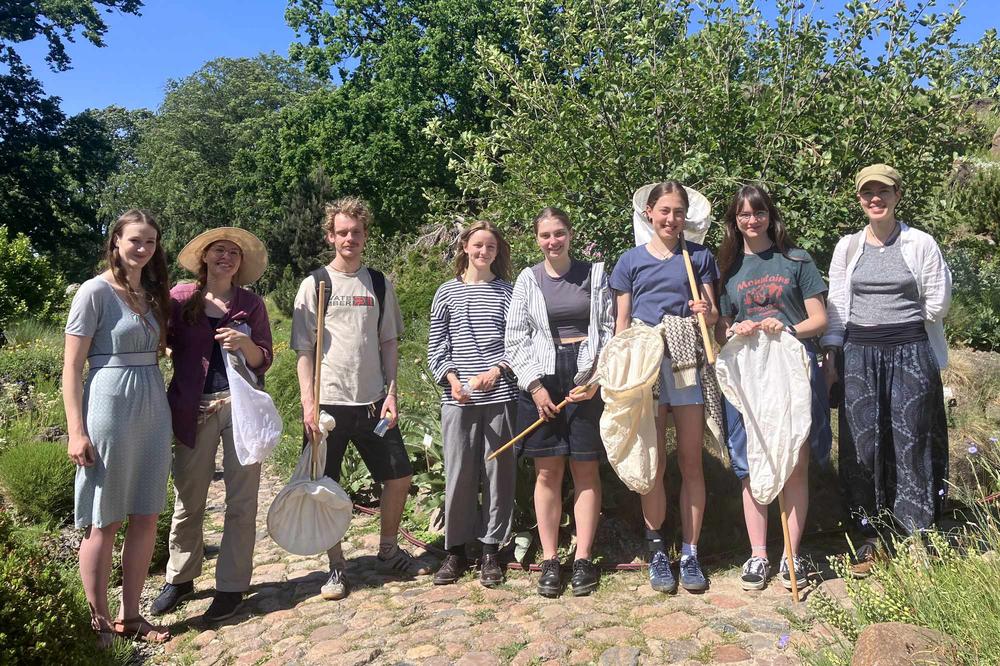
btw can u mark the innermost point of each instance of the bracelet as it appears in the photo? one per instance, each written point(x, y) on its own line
point(534, 387)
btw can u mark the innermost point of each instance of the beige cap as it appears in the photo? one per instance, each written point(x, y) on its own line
point(254, 254)
point(880, 173)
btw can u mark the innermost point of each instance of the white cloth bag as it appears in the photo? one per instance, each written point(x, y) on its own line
point(308, 517)
point(627, 369)
point(257, 425)
point(766, 377)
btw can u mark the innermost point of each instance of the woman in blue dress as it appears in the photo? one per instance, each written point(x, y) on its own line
point(119, 420)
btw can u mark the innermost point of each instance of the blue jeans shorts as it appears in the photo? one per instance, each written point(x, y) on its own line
point(671, 395)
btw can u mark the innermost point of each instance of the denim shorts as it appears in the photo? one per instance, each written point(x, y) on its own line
point(576, 429)
point(820, 435)
point(671, 395)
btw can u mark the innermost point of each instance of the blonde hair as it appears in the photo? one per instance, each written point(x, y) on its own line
point(354, 207)
point(501, 263)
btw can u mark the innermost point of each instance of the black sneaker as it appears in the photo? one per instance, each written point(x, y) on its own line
point(451, 569)
point(585, 577)
point(170, 596)
point(802, 570)
point(755, 573)
point(224, 605)
point(550, 582)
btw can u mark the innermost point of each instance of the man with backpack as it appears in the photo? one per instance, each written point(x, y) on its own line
point(358, 386)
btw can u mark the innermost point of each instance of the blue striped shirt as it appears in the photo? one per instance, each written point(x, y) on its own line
point(467, 337)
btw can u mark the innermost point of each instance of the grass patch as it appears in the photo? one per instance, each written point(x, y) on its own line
point(484, 615)
point(797, 622)
point(509, 651)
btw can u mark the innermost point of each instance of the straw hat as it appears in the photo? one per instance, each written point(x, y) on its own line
point(254, 254)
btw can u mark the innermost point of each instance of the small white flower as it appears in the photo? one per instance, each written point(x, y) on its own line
point(428, 440)
point(423, 376)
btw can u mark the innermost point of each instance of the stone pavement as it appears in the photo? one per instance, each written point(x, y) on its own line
point(386, 620)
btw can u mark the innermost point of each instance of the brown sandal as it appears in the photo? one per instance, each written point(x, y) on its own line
point(105, 634)
point(139, 629)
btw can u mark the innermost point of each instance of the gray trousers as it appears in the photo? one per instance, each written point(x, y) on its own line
point(479, 494)
point(193, 472)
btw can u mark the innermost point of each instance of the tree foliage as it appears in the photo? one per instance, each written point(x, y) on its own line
point(605, 98)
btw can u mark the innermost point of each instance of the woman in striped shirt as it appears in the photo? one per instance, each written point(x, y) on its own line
point(465, 352)
point(560, 317)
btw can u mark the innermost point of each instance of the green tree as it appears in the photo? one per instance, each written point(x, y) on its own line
point(400, 65)
point(210, 155)
point(28, 285)
point(605, 98)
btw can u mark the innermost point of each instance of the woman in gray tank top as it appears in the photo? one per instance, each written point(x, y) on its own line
point(890, 289)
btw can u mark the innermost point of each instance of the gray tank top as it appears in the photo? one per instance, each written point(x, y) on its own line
point(567, 299)
point(883, 288)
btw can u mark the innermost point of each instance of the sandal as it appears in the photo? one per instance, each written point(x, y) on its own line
point(105, 634)
point(139, 629)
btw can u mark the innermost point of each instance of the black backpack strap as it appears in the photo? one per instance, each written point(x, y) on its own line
point(378, 284)
point(322, 275)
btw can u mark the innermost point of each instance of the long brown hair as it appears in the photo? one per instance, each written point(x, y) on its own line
point(194, 306)
point(731, 249)
point(501, 263)
point(668, 187)
point(155, 279)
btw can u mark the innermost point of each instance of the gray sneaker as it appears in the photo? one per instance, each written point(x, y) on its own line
point(336, 586)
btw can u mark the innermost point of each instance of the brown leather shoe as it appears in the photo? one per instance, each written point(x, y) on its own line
point(451, 570)
point(490, 573)
point(867, 555)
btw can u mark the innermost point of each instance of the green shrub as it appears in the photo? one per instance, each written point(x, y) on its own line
point(28, 284)
point(38, 478)
point(43, 619)
point(284, 292)
point(30, 363)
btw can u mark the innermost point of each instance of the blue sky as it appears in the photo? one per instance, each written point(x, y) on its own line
point(173, 38)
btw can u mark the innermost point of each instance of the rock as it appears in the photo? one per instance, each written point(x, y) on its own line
point(727, 602)
point(620, 656)
point(356, 658)
point(422, 651)
point(611, 635)
point(675, 651)
point(670, 627)
point(478, 659)
point(539, 651)
point(892, 643)
point(730, 654)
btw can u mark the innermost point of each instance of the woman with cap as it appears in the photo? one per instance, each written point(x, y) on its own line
point(650, 282)
point(890, 290)
point(209, 318)
point(119, 420)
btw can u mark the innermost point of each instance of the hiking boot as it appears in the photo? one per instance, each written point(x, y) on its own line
point(401, 562)
point(692, 578)
point(661, 578)
point(170, 596)
point(451, 569)
point(336, 586)
point(585, 577)
point(550, 582)
point(755, 573)
point(224, 606)
point(802, 570)
point(865, 558)
point(490, 571)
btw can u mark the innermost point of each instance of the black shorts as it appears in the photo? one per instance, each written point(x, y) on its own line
point(576, 429)
point(385, 457)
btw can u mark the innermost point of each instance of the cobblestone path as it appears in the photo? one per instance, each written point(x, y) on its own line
point(386, 620)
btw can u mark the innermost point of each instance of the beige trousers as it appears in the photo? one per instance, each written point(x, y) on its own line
point(193, 471)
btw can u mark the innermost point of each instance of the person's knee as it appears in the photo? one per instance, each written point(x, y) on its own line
point(142, 521)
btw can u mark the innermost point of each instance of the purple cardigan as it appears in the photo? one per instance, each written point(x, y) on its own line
point(191, 349)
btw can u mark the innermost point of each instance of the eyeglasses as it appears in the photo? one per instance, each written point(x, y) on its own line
point(868, 195)
point(761, 215)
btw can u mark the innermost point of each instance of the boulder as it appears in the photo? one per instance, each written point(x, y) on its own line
point(902, 644)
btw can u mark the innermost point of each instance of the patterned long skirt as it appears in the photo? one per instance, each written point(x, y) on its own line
point(893, 436)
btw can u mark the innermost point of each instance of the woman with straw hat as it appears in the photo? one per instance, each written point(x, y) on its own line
point(208, 318)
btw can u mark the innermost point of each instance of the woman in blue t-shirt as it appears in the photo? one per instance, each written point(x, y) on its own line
point(650, 282)
point(769, 285)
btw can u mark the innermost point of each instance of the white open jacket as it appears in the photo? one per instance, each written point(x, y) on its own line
point(924, 259)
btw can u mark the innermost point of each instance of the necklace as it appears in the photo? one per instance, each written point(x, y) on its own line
point(888, 241)
point(660, 255)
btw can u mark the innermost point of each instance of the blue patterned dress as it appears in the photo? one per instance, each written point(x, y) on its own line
point(124, 407)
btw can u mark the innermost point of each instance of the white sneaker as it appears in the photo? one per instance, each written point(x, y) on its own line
point(336, 586)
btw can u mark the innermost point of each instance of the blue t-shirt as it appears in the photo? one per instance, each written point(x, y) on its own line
point(660, 286)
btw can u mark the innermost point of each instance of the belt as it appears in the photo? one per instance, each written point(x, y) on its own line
point(123, 360)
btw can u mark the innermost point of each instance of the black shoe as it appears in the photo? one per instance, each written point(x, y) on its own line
point(451, 569)
point(490, 572)
point(550, 582)
point(224, 606)
point(170, 596)
point(585, 577)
